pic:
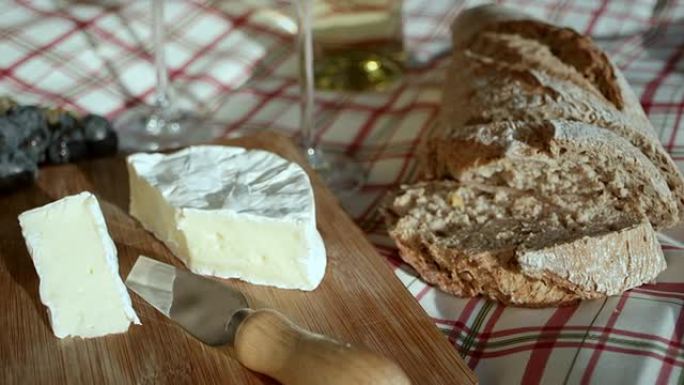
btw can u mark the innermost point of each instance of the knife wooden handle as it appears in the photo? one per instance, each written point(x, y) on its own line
point(269, 343)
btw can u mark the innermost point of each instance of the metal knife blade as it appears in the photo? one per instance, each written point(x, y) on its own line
point(264, 340)
point(202, 306)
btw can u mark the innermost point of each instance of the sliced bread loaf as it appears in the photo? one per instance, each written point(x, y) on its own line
point(575, 166)
point(545, 177)
point(508, 68)
point(518, 248)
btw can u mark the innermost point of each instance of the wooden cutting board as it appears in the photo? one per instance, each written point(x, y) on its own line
point(360, 300)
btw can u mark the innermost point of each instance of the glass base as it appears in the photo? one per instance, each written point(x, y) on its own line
point(146, 128)
point(342, 174)
point(357, 70)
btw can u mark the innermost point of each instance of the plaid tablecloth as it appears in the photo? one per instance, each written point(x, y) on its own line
point(227, 63)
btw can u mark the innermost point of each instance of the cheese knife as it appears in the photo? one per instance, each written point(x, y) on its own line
point(264, 340)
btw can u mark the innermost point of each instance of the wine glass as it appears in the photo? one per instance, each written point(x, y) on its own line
point(342, 174)
point(162, 125)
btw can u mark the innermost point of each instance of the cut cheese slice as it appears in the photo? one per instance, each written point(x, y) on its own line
point(76, 261)
point(231, 213)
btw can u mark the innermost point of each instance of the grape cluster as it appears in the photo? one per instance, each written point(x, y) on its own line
point(32, 135)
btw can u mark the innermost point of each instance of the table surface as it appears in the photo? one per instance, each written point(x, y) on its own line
point(87, 57)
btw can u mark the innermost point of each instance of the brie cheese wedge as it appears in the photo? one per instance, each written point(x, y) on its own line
point(77, 264)
point(231, 213)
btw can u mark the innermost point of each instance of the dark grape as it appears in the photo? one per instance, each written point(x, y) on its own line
point(60, 120)
point(34, 133)
point(10, 134)
point(30, 135)
point(99, 135)
point(17, 169)
point(67, 147)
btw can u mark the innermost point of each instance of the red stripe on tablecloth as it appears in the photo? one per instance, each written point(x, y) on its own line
point(236, 20)
point(579, 8)
point(294, 98)
point(536, 365)
point(652, 86)
point(585, 345)
point(422, 292)
point(269, 96)
point(137, 51)
point(533, 329)
point(463, 319)
point(478, 352)
point(595, 17)
point(255, 26)
point(664, 105)
point(400, 175)
point(671, 287)
point(666, 369)
point(628, 57)
point(670, 247)
point(661, 294)
point(404, 167)
point(601, 346)
point(328, 109)
point(373, 117)
point(678, 120)
point(196, 55)
point(78, 25)
point(675, 127)
point(647, 39)
point(46, 94)
point(673, 135)
point(394, 261)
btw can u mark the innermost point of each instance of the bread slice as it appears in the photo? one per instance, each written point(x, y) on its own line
point(547, 179)
point(599, 264)
point(517, 248)
point(508, 68)
point(575, 166)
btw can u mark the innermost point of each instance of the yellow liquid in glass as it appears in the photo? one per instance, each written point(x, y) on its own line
point(358, 45)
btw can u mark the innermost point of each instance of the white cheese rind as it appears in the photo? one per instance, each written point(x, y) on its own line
point(231, 213)
point(76, 261)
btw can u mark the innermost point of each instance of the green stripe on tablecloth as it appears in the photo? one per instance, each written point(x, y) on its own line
point(469, 339)
point(571, 337)
point(479, 320)
point(586, 334)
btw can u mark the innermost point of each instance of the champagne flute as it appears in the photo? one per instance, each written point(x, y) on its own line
point(161, 125)
point(341, 173)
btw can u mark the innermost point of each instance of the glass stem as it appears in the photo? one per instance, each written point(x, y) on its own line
point(305, 49)
point(162, 98)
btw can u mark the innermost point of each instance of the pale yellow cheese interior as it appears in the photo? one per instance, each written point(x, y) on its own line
point(76, 282)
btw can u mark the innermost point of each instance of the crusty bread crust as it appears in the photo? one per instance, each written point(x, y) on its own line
point(533, 247)
point(518, 290)
point(541, 272)
point(471, 149)
point(509, 67)
point(602, 264)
